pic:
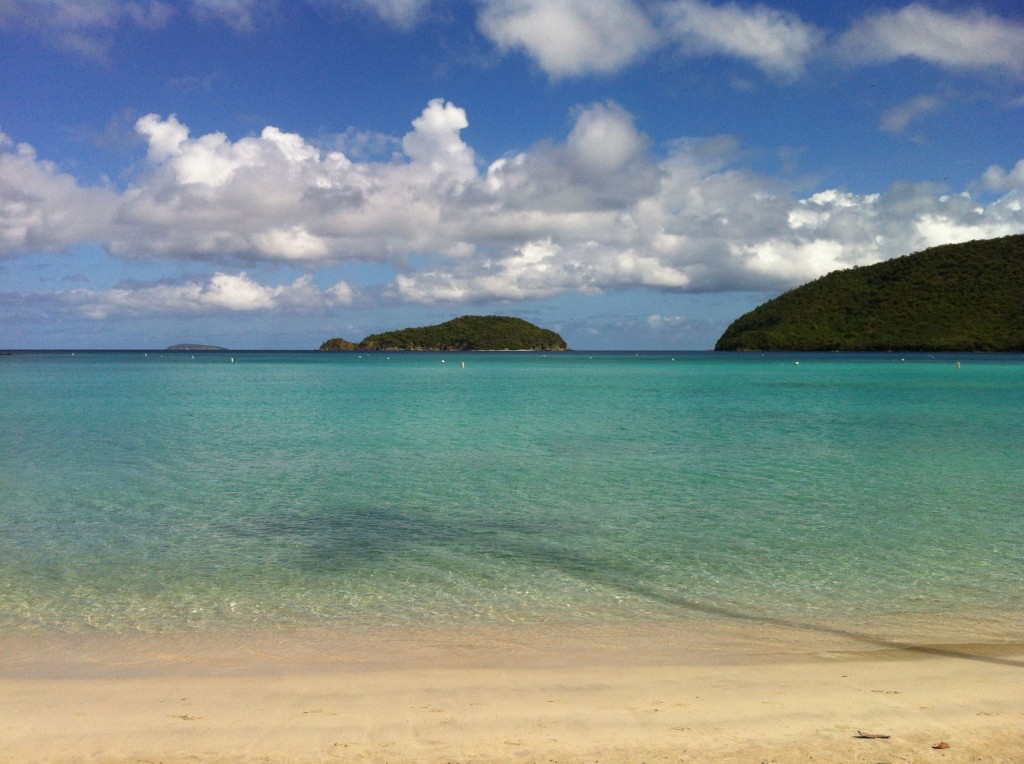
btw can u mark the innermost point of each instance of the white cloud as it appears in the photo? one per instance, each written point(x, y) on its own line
point(777, 42)
point(972, 40)
point(165, 136)
point(435, 142)
point(998, 179)
point(656, 321)
point(42, 208)
point(898, 118)
point(276, 196)
point(596, 211)
point(605, 140)
point(223, 292)
point(568, 37)
point(572, 37)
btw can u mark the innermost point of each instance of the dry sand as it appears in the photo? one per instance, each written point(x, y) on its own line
point(730, 693)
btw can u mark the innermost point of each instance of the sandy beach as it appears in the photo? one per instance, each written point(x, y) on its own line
point(584, 695)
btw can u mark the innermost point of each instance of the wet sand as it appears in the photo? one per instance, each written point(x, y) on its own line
point(723, 693)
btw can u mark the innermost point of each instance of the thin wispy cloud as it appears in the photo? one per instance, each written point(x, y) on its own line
point(899, 118)
point(971, 40)
point(223, 292)
point(777, 42)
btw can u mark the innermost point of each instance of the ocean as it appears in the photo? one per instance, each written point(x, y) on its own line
point(174, 492)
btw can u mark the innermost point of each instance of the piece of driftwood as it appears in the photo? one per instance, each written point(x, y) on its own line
point(871, 735)
point(940, 746)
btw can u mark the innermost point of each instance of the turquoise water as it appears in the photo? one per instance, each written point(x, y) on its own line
point(163, 492)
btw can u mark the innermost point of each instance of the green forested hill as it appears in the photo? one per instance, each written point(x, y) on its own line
point(464, 333)
point(956, 297)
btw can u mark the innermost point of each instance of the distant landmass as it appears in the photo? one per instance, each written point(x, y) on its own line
point(955, 297)
point(464, 333)
point(193, 346)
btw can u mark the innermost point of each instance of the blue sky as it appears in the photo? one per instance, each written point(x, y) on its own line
point(634, 174)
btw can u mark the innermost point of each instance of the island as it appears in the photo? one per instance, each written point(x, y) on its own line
point(965, 297)
point(193, 346)
point(463, 333)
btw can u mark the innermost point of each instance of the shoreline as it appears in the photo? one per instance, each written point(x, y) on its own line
point(595, 694)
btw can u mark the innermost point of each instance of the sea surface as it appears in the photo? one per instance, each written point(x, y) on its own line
point(168, 492)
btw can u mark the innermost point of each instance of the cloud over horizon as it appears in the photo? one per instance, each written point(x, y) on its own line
point(221, 292)
point(600, 210)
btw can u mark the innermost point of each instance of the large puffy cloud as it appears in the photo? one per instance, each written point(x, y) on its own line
point(998, 179)
point(222, 292)
point(44, 209)
point(276, 196)
point(973, 40)
point(596, 211)
point(568, 37)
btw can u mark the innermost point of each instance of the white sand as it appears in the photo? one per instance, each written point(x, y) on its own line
point(609, 695)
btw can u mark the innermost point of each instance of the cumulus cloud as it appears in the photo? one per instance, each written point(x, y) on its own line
point(595, 211)
point(777, 42)
point(276, 196)
point(42, 208)
point(435, 144)
point(222, 292)
point(972, 40)
point(568, 37)
point(998, 179)
point(605, 140)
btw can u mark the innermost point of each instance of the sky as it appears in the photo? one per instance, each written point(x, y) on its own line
point(633, 174)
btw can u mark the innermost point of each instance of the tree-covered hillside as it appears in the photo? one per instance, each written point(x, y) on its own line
point(464, 333)
point(956, 297)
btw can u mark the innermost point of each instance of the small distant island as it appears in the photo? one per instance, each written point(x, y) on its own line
point(463, 333)
point(957, 297)
point(193, 346)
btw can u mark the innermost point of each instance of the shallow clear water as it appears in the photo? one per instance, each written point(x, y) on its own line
point(167, 492)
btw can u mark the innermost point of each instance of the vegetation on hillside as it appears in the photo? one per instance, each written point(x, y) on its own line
point(464, 333)
point(337, 343)
point(956, 297)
